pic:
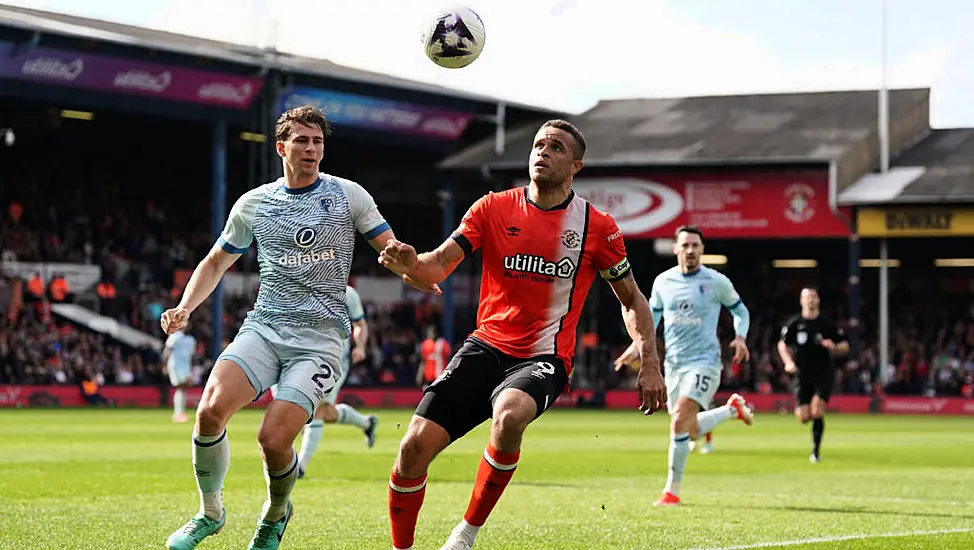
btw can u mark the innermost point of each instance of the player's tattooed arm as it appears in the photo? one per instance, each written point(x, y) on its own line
point(437, 265)
point(428, 268)
point(637, 316)
point(639, 324)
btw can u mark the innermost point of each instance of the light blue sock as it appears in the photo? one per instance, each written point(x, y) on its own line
point(211, 460)
point(309, 442)
point(708, 420)
point(348, 415)
point(679, 451)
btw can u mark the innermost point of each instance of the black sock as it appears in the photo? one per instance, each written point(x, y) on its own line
point(818, 426)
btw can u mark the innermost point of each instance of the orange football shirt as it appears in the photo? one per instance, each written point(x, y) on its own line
point(538, 266)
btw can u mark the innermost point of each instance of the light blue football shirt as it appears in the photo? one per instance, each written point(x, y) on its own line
point(181, 347)
point(355, 313)
point(690, 308)
point(305, 239)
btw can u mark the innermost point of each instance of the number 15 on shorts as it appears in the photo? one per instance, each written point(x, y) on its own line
point(701, 382)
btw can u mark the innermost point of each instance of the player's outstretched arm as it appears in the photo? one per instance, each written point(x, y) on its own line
point(428, 268)
point(639, 323)
point(729, 298)
point(388, 239)
point(201, 284)
point(206, 276)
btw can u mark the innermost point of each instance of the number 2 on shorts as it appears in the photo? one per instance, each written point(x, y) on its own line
point(319, 377)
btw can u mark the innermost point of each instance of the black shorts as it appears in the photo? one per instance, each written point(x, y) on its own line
point(463, 396)
point(818, 383)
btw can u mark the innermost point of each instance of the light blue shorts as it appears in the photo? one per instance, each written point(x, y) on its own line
point(305, 362)
point(332, 397)
point(179, 374)
point(696, 382)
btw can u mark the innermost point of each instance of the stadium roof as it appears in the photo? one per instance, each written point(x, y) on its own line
point(948, 156)
point(765, 129)
point(940, 168)
point(129, 35)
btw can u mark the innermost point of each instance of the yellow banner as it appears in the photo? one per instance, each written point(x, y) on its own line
point(916, 221)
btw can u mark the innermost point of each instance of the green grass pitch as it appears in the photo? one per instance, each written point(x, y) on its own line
point(114, 479)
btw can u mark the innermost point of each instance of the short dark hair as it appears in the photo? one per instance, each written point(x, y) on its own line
point(307, 115)
point(564, 125)
point(693, 229)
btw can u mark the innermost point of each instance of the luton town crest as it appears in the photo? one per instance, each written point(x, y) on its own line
point(801, 201)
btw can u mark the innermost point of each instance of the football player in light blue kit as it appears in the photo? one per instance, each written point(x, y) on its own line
point(178, 356)
point(688, 299)
point(330, 413)
point(304, 226)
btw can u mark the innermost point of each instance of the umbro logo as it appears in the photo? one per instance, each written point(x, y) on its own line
point(513, 231)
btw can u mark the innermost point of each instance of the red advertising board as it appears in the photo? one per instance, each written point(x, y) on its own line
point(408, 398)
point(745, 205)
point(120, 396)
point(927, 405)
point(149, 396)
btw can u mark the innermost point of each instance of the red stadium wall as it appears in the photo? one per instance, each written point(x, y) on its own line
point(123, 396)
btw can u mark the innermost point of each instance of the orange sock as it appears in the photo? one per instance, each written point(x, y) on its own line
point(405, 500)
point(709, 436)
point(495, 472)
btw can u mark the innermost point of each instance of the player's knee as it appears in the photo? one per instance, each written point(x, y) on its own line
point(415, 455)
point(273, 443)
point(512, 421)
point(326, 412)
point(211, 418)
point(802, 415)
point(684, 418)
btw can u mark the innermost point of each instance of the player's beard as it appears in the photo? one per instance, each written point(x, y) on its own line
point(548, 181)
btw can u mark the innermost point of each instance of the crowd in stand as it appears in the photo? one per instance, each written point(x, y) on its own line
point(932, 345)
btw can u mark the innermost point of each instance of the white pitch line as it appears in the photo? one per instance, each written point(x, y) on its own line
point(843, 538)
point(794, 496)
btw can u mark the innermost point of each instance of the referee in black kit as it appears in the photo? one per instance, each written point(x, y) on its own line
point(816, 342)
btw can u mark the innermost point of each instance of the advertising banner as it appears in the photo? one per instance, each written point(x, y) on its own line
point(380, 114)
point(126, 76)
point(916, 221)
point(927, 405)
point(724, 206)
point(120, 396)
point(408, 398)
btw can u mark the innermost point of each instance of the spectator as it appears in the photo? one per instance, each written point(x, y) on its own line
point(91, 390)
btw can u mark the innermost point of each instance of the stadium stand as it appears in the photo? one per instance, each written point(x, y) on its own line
point(129, 218)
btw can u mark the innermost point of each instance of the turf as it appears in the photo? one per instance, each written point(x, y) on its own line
point(107, 479)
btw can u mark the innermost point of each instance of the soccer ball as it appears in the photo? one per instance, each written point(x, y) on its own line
point(454, 38)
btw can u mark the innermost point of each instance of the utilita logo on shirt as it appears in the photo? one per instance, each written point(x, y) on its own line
point(538, 265)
